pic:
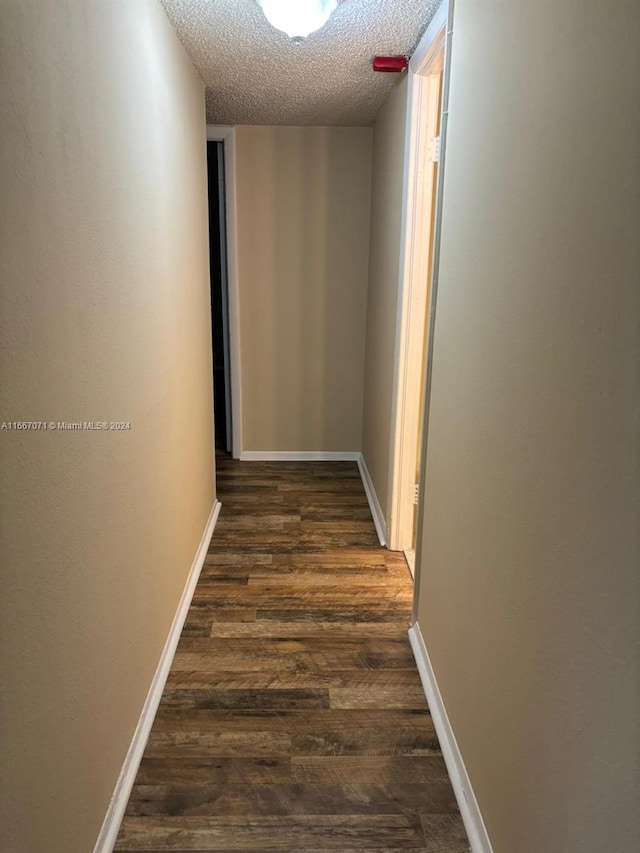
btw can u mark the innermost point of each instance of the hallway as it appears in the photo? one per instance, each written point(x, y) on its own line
point(293, 718)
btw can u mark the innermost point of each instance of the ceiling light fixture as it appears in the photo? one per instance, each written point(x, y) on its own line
point(298, 18)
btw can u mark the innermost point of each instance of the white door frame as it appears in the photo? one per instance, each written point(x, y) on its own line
point(226, 135)
point(418, 252)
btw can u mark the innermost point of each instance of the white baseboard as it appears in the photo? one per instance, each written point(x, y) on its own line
point(469, 809)
point(299, 456)
point(374, 503)
point(410, 557)
point(111, 825)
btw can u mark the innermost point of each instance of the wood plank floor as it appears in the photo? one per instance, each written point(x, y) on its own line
point(293, 718)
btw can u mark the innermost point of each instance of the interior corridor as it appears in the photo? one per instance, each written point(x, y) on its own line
point(293, 718)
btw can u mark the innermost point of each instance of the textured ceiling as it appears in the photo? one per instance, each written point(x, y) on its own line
point(254, 74)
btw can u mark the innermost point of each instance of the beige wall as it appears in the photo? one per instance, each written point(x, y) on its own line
point(382, 305)
point(529, 592)
point(104, 316)
point(303, 197)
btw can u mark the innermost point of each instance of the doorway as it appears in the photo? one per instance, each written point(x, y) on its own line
point(426, 120)
point(219, 296)
point(225, 321)
point(418, 340)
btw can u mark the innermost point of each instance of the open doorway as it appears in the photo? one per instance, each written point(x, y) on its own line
point(418, 339)
point(426, 115)
point(225, 323)
point(219, 296)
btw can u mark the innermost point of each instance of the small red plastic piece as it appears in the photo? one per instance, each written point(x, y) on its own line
point(393, 64)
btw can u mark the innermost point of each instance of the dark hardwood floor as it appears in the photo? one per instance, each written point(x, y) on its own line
point(293, 718)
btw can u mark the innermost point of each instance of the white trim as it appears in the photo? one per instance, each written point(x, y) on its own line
point(419, 190)
point(429, 43)
point(374, 503)
point(219, 132)
point(111, 825)
point(410, 557)
point(227, 136)
point(469, 809)
point(299, 456)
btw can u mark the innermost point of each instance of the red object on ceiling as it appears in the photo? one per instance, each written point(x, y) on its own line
point(393, 64)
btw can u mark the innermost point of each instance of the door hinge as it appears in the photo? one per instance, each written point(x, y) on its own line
point(433, 149)
point(415, 493)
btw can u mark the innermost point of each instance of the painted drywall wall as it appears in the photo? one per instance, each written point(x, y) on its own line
point(104, 317)
point(303, 207)
point(382, 304)
point(529, 574)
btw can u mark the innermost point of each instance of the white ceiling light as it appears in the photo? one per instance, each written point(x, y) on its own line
point(298, 18)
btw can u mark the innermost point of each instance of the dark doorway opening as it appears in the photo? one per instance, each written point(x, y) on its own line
point(219, 296)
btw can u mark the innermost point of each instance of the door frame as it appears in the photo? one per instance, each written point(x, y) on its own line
point(226, 135)
point(419, 243)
